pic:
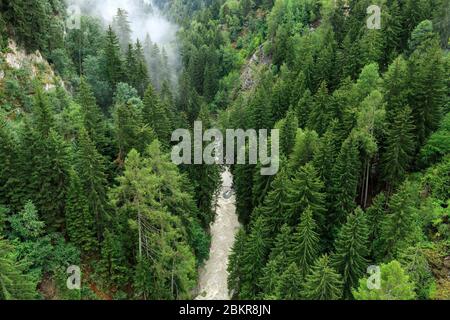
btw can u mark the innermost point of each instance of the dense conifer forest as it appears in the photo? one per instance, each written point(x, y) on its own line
point(86, 176)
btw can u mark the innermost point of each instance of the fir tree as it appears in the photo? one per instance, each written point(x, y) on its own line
point(235, 264)
point(346, 173)
point(306, 243)
point(427, 85)
point(275, 204)
point(253, 259)
point(113, 263)
point(400, 147)
point(303, 108)
point(157, 116)
point(305, 191)
point(398, 228)
point(44, 166)
point(270, 278)
point(80, 222)
point(351, 250)
point(290, 284)
point(375, 215)
point(282, 247)
point(121, 27)
point(130, 66)
point(288, 132)
point(14, 283)
point(321, 115)
point(142, 79)
point(113, 59)
point(396, 87)
point(324, 157)
point(323, 283)
point(92, 116)
point(8, 155)
point(26, 224)
point(90, 167)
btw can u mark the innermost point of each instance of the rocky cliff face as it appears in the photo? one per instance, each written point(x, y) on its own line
point(258, 59)
point(16, 58)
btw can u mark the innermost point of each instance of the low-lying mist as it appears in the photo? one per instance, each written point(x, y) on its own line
point(145, 20)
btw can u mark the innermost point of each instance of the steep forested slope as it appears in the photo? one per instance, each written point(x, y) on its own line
point(362, 115)
point(86, 178)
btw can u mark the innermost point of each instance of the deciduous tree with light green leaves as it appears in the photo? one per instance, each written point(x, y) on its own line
point(395, 285)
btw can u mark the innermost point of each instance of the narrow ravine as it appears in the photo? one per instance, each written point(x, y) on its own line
point(213, 276)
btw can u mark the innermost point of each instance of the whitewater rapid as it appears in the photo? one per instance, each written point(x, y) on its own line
point(213, 275)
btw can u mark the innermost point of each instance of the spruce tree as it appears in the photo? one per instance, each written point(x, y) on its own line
point(305, 248)
point(113, 263)
point(375, 215)
point(113, 59)
point(260, 110)
point(243, 181)
point(142, 77)
point(254, 258)
point(275, 204)
point(157, 116)
point(428, 93)
point(400, 147)
point(14, 283)
point(303, 108)
point(290, 284)
point(298, 90)
point(371, 46)
point(280, 97)
point(323, 283)
point(346, 173)
point(92, 116)
point(129, 128)
point(305, 191)
point(396, 87)
point(26, 224)
point(44, 164)
point(8, 157)
point(321, 113)
point(121, 27)
point(392, 30)
point(130, 66)
point(282, 246)
point(90, 167)
point(288, 132)
point(235, 264)
point(269, 280)
point(349, 258)
point(324, 160)
point(80, 221)
point(399, 228)
point(211, 82)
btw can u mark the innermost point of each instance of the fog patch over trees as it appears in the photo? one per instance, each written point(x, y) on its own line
point(141, 20)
